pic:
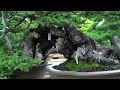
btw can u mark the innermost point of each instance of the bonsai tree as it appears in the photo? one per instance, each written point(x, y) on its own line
point(44, 33)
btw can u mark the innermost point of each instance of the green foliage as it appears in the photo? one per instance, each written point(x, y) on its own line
point(60, 17)
point(10, 63)
point(87, 25)
point(16, 39)
point(84, 21)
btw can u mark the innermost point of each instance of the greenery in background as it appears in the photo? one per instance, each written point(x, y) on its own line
point(84, 21)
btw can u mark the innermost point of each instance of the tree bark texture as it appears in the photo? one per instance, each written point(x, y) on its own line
point(73, 44)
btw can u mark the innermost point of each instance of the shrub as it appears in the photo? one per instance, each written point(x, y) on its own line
point(11, 63)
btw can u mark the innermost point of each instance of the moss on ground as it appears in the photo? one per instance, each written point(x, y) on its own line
point(71, 65)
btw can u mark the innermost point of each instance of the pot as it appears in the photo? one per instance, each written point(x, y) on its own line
point(58, 74)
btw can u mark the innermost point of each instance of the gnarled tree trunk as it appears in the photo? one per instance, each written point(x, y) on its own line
point(71, 43)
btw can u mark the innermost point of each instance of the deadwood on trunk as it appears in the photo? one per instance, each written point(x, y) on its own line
point(8, 43)
point(85, 46)
point(91, 55)
point(106, 57)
